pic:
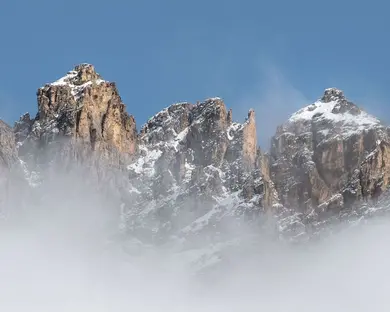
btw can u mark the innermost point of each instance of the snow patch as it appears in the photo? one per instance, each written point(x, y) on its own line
point(232, 129)
point(145, 164)
point(69, 80)
point(322, 111)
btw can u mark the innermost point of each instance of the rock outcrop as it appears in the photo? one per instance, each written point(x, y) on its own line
point(83, 107)
point(328, 155)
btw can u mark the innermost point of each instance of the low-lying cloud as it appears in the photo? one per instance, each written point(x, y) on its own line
point(57, 254)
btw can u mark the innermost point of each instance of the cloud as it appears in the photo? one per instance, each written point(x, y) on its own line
point(274, 98)
point(56, 255)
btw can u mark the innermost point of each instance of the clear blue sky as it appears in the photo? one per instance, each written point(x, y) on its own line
point(274, 56)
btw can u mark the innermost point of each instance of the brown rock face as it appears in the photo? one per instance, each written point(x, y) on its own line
point(8, 157)
point(321, 153)
point(8, 152)
point(86, 108)
point(249, 140)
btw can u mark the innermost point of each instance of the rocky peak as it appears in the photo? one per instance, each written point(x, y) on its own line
point(320, 148)
point(341, 104)
point(85, 72)
point(332, 94)
point(84, 107)
point(332, 115)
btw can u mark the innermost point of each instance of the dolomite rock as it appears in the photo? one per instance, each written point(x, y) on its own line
point(84, 108)
point(198, 166)
point(8, 153)
point(8, 159)
point(323, 151)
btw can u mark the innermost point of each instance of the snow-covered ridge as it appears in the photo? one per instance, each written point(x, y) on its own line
point(325, 111)
point(333, 109)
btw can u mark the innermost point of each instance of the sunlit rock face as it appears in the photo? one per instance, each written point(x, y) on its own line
point(82, 109)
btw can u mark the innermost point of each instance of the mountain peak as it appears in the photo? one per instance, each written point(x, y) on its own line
point(86, 72)
point(332, 94)
point(83, 106)
point(80, 75)
point(334, 113)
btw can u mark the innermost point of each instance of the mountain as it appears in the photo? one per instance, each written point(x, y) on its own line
point(330, 154)
point(192, 170)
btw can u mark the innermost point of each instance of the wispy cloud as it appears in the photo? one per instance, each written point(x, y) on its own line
point(274, 98)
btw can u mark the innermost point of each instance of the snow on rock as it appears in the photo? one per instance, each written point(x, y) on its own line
point(75, 81)
point(233, 129)
point(145, 163)
point(189, 170)
point(335, 111)
point(328, 155)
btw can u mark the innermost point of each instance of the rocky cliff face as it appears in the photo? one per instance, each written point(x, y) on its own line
point(8, 153)
point(84, 108)
point(195, 168)
point(328, 155)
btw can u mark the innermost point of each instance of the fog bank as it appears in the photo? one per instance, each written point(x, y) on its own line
point(58, 254)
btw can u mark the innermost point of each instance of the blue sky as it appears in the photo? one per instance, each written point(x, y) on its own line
point(274, 56)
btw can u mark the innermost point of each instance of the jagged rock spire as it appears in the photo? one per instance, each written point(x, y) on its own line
point(86, 72)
